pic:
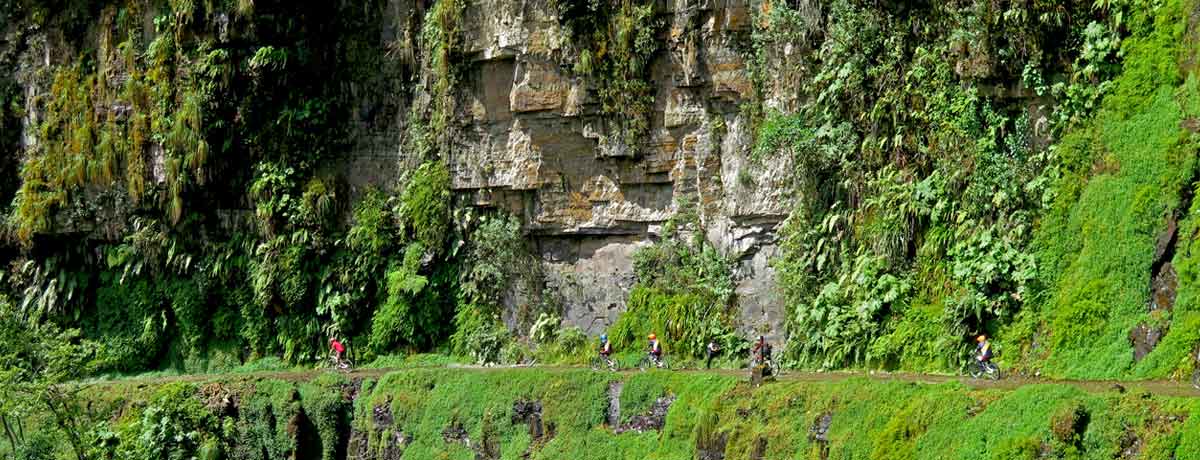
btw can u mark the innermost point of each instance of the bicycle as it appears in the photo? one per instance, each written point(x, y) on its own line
point(770, 367)
point(601, 362)
point(344, 365)
point(650, 362)
point(985, 369)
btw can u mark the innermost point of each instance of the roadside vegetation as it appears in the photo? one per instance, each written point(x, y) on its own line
point(1024, 170)
point(542, 414)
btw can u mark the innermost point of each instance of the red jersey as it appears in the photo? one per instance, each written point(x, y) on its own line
point(337, 346)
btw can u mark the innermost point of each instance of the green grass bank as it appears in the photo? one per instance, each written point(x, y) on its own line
point(579, 414)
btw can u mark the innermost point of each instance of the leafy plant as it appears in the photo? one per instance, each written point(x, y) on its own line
point(425, 205)
point(42, 365)
point(397, 320)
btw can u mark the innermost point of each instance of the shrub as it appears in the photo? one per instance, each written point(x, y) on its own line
point(478, 335)
point(495, 258)
point(684, 323)
point(131, 319)
point(174, 425)
point(398, 320)
point(190, 308)
point(425, 205)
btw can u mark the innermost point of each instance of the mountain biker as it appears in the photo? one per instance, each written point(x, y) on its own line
point(712, 350)
point(983, 349)
point(655, 349)
point(338, 349)
point(606, 349)
point(762, 350)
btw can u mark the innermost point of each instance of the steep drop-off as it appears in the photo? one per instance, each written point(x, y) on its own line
point(510, 414)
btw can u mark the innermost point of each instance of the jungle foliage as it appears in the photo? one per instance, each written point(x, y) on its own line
point(155, 126)
point(684, 293)
point(939, 201)
point(960, 168)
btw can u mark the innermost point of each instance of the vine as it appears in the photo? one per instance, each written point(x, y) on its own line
point(618, 40)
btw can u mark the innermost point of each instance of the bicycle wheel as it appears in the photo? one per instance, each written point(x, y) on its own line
point(975, 371)
point(597, 363)
point(645, 363)
point(993, 372)
point(1196, 379)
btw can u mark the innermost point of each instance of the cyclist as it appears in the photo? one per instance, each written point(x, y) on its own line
point(712, 350)
point(655, 349)
point(762, 351)
point(983, 350)
point(338, 349)
point(606, 350)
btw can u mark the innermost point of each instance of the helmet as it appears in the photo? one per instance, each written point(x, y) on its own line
point(603, 337)
point(651, 336)
point(981, 338)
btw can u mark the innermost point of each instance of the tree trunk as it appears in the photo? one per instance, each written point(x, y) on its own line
point(20, 430)
point(8, 431)
point(67, 425)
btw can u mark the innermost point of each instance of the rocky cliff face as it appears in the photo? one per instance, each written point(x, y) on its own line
point(527, 135)
point(531, 139)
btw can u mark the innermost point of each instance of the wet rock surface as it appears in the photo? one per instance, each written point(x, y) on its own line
point(652, 421)
point(1163, 288)
point(1130, 444)
point(392, 441)
point(530, 413)
point(382, 415)
point(1144, 338)
point(394, 445)
point(819, 433)
point(712, 449)
point(1164, 284)
point(613, 418)
point(455, 433)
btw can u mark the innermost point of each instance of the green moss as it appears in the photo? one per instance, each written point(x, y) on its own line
point(858, 418)
point(1098, 242)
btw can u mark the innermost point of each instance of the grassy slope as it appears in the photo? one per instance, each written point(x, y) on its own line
point(1123, 176)
point(868, 419)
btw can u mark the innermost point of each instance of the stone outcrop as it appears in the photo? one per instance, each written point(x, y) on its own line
point(528, 136)
point(533, 142)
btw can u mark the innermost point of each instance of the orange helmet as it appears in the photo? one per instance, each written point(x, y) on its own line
point(981, 338)
point(651, 336)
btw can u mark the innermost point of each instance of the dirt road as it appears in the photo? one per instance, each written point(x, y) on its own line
point(1156, 387)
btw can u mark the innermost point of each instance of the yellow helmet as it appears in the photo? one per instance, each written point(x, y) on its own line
point(651, 336)
point(981, 338)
